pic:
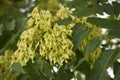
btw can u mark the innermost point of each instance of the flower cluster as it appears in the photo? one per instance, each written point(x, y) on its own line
point(44, 37)
point(5, 61)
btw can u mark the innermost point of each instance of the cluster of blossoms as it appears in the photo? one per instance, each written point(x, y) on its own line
point(46, 38)
point(5, 61)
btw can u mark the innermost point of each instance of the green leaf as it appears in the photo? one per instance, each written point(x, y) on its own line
point(81, 12)
point(105, 23)
point(46, 70)
point(117, 76)
point(32, 71)
point(64, 74)
point(105, 76)
point(92, 46)
point(81, 60)
point(102, 1)
point(111, 9)
point(40, 70)
point(23, 77)
point(79, 77)
point(106, 8)
point(85, 69)
point(106, 60)
point(10, 25)
point(116, 68)
point(114, 33)
point(1, 29)
point(21, 22)
point(65, 21)
point(82, 7)
point(17, 68)
point(116, 7)
point(79, 34)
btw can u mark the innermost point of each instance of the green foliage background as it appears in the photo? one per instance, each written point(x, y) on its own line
point(14, 15)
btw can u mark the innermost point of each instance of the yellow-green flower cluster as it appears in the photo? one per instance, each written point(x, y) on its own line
point(44, 37)
point(25, 50)
point(5, 61)
point(63, 13)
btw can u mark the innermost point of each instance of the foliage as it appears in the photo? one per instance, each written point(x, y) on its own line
point(59, 40)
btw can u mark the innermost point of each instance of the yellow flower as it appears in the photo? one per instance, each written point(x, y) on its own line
point(51, 39)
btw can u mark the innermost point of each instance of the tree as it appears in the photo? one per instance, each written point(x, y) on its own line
point(59, 40)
